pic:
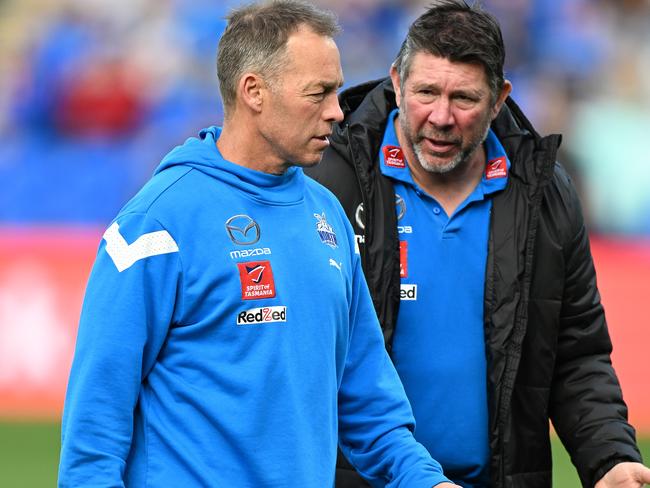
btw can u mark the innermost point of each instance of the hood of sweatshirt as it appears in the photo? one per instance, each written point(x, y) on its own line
point(202, 154)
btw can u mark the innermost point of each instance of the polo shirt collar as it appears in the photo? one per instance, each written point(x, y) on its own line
point(393, 162)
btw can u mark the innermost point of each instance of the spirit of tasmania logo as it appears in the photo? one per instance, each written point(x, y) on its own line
point(394, 157)
point(263, 315)
point(256, 280)
point(403, 259)
point(496, 168)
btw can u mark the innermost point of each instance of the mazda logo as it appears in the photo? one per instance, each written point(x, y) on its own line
point(400, 209)
point(358, 215)
point(242, 230)
point(400, 205)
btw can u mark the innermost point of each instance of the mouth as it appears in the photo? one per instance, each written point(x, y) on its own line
point(323, 139)
point(439, 145)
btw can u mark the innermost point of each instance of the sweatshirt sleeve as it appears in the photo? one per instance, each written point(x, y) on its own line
point(375, 419)
point(128, 307)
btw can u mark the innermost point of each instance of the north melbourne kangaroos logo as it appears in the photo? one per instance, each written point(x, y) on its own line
point(325, 231)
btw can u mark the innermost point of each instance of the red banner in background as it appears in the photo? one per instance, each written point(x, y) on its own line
point(623, 270)
point(43, 275)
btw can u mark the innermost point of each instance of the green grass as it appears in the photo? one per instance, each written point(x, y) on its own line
point(29, 455)
point(564, 474)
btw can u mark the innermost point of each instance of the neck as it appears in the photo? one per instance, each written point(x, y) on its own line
point(449, 189)
point(239, 143)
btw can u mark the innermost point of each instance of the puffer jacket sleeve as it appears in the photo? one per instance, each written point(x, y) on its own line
point(587, 407)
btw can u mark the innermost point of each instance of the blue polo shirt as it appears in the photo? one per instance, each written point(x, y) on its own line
point(439, 342)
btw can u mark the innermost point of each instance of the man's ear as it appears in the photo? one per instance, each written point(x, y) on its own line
point(394, 76)
point(251, 91)
point(505, 92)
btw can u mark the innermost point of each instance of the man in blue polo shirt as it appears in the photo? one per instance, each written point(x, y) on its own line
point(477, 258)
point(436, 241)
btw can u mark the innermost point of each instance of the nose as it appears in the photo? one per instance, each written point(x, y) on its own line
point(332, 111)
point(441, 115)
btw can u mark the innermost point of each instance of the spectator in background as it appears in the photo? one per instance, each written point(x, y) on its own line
point(227, 336)
point(478, 262)
point(95, 86)
point(608, 130)
point(554, 47)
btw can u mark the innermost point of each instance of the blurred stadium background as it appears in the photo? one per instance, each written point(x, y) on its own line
point(94, 92)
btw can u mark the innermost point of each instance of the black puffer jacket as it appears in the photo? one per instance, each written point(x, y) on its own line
point(547, 342)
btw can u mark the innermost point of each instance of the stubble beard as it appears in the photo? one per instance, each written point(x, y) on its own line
point(423, 159)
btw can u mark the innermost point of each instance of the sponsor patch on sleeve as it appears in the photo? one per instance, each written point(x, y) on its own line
point(256, 280)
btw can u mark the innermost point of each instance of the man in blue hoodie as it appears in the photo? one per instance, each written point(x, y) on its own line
point(227, 336)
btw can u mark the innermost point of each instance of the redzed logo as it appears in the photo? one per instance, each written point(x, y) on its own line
point(393, 157)
point(403, 259)
point(496, 168)
point(408, 292)
point(263, 315)
point(256, 280)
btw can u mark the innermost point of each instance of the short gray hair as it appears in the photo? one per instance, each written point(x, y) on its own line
point(255, 40)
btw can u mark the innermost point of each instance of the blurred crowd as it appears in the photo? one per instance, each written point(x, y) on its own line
point(94, 92)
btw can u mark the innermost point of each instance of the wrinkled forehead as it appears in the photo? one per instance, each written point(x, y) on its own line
point(425, 65)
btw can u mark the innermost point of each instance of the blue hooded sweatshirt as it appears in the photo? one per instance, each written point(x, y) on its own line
point(227, 339)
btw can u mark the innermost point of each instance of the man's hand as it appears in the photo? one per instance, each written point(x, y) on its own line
point(625, 475)
point(446, 485)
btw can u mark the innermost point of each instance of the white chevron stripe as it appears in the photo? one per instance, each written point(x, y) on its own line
point(125, 255)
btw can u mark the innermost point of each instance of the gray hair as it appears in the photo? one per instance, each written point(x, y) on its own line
point(454, 30)
point(255, 40)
